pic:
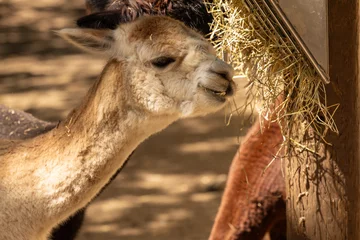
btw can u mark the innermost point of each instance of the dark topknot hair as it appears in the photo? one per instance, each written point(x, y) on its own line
point(192, 13)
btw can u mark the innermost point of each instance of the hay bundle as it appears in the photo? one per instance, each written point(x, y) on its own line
point(282, 84)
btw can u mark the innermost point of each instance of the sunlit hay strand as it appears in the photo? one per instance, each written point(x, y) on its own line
point(282, 85)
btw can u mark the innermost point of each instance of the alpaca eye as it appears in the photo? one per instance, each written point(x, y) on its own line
point(162, 62)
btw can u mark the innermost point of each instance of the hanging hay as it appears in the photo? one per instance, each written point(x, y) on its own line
point(283, 86)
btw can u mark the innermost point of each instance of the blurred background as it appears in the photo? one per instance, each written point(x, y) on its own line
point(172, 186)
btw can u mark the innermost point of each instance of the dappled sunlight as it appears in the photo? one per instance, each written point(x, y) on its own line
point(112, 227)
point(55, 85)
point(175, 183)
point(165, 220)
point(202, 197)
point(110, 209)
point(159, 224)
point(215, 146)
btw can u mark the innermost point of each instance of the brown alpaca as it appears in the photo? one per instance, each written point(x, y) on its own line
point(159, 71)
point(253, 204)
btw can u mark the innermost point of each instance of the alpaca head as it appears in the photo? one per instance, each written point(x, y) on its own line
point(169, 68)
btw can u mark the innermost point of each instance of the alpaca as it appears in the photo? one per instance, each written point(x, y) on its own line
point(191, 12)
point(252, 155)
point(159, 71)
point(237, 206)
point(254, 204)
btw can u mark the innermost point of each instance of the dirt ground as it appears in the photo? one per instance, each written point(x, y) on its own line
point(172, 186)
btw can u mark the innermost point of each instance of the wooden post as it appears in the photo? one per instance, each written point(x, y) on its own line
point(323, 190)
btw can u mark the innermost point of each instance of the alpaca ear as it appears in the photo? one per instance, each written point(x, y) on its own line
point(90, 40)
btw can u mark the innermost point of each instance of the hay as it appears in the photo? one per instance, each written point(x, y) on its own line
point(283, 86)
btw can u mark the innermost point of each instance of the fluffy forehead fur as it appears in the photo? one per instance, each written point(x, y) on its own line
point(161, 27)
point(160, 35)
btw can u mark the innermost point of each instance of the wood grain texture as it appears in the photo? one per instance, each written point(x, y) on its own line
point(322, 188)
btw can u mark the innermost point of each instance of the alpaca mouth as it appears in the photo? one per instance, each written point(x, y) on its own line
point(220, 95)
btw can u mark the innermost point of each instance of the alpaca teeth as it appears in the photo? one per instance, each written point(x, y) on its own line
point(221, 93)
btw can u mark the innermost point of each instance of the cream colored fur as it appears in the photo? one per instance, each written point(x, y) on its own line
point(46, 179)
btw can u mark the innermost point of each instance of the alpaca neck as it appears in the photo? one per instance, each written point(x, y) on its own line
point(69, 165)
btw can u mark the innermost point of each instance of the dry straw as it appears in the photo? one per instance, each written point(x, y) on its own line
point(282, 85)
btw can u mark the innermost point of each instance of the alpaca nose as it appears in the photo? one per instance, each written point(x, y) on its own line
point(226, 72)
point(222, 69)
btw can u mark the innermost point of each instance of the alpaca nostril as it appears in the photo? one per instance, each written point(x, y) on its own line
point(229, 90)
point(224, 75)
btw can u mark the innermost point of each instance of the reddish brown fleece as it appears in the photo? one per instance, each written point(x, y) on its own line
point(249, 210)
